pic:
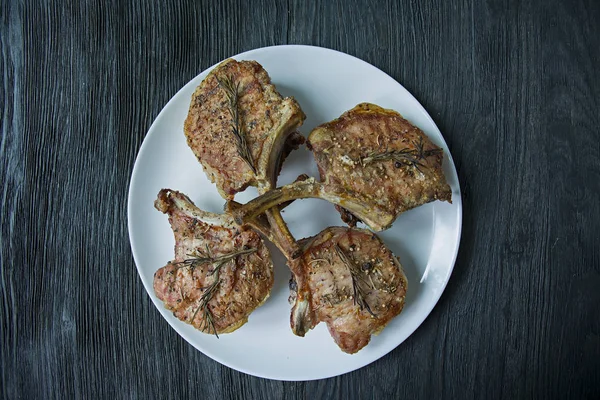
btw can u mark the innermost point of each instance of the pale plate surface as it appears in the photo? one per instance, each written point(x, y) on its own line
point(326, 83)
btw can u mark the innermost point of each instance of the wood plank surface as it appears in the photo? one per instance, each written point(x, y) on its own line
point(513, 86)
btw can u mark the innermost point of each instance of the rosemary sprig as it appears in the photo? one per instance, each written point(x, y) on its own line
point(404, 157)
point(232, 92)
point(197, 260)
point(208, 323)
point(357, 278)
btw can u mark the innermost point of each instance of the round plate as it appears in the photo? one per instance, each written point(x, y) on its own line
point(325, 83)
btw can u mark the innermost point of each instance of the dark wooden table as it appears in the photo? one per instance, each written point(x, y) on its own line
point(514, 87)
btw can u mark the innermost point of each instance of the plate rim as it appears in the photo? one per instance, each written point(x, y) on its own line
point(148, 286)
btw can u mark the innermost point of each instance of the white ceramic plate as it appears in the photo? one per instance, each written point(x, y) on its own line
point(326, 83)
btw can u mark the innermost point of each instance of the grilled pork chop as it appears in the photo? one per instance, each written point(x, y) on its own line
point(374, 165)
point(349, 279)
point(376, 153)
point(221, 272)
point(239, 127)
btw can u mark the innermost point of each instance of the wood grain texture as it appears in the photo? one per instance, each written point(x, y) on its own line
point(513, 86)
